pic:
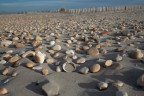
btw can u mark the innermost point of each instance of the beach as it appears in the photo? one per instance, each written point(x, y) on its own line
point(62, 54)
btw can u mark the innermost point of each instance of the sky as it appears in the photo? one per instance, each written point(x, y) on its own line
point(36, 5)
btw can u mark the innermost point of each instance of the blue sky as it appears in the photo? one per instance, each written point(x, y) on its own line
point(28, 5)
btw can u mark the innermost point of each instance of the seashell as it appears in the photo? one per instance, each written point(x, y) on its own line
point(57, 47)
point(93, 51)
point(5, 71)
point(102, 86)
point(20, 45)
point(95, 68)
point(45, 71)
point(28, 53)
point(119, 83)
point(69, 41)
point(84, 70)
point(70, 52)
point(52, 43)
point(137, 54)
point(14, 59)
point(58, 69)
point(40, 57)
point(81, 60)
point(3, 91)
point(68, 67)
point(50, 60)
point(30, 65)
point(121, 93)
point(9, 52)
point(118, 58)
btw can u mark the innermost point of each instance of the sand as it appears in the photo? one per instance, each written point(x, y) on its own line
point(29, 82)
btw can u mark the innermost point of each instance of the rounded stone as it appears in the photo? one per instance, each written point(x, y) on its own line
point(93, 51)
point(102, 86)
point(81, 60)
point(95, 68)
point(57, 47)
point(84, 70)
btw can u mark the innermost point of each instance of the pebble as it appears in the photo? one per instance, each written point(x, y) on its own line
point(81, 60)
point(5, 43)
point(3, 91)
point(84, 70)
point(121, 93)
point(58, 69)
point(40, 57)
point(108, 63)
point(57, 47)
point(93, 51)
point(95, 68)
point(20, 45)
point(45, 71)
point(118, 58)
point(102, 86)
point(3, 62)
point(29, 53)
point(85, 47)
point(9, 51)
point(37, 68)
point(5, 71)
point(70, 52)
point(103, 51)
point(15, 39)
point(117, 66)
point(52, 43)
point(14, 59)
point(74, 57)
point(14, 73)
point(137, 54)
point(119, 83)
point(50, 60)
point(30, 65)
point(140, 81)
point(69, 41)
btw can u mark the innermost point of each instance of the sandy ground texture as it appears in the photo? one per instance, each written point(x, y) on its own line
point(58, 54)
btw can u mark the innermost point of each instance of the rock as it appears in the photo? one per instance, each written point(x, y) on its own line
point(52, 43)
point(106, 63)
point(9, 51)
point(5, 71)
point(30, 65)
point(20, 45)
point(84, 70)
point(14, 73)
point(81, 60)
point(103, 51)
point(118, 58)
point(52, 34)
point(51, 88)
point(14, 59)
point(40, 57)
point(5, 43)
point(3, 62)
point(119, 83)
point(137, 54)
point(44, 71)
point(95, 68)
point(29, 53)
point(50, 60)
point(93, 51)
point(85, 47)
point(121, 93)
point(51, 52)
point(102, 86)
point(6, 55)
point(57, 55)
point(57, 47)
point(15, 39)
point(3, 91)
point(37, 68)
point(70, 52)
point(58, 69)
point(140, 81)
point(74, 57)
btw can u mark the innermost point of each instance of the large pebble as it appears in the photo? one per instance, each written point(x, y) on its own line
point(93, 51)
point(95, 68)
point(40, 57)
point(57, 47)
point(51, 88)
point(102, 86)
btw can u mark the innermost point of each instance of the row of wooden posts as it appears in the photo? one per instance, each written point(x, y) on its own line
point(101, 9)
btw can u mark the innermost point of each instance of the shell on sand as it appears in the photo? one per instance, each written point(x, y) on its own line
point(68, 67)
point(14, 59)
point(95, 68)
point(30, 65)
point(44, 71)
point(93, 51)
point(5, 71)
point(19, 45)
point(137, 54)
point(3, 91)
point(40, 57)
point(81, 60)
point(29, 53)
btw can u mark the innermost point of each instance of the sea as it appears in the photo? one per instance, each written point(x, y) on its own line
point(46, 5)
